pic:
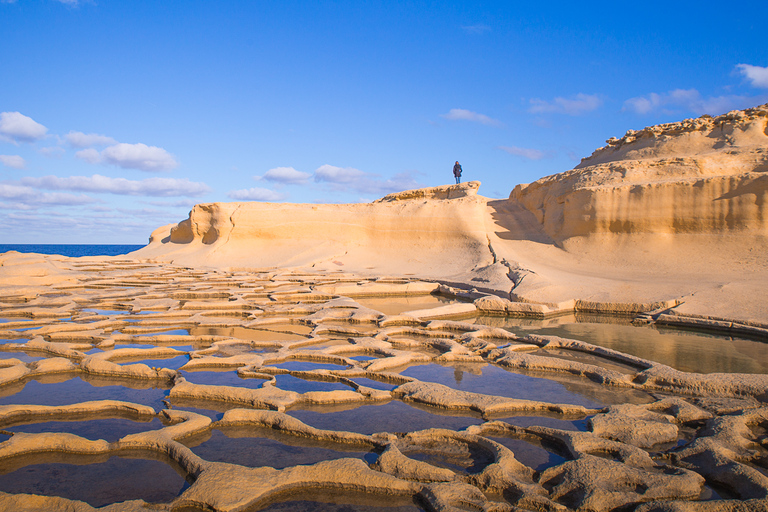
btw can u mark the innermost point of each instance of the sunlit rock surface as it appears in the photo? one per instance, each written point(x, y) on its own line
point(421, 352)
point(252, 390)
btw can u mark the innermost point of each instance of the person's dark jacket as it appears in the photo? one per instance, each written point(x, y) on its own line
point(457, 170)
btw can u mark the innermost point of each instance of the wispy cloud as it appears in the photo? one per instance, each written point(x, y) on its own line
point(573, 106)
point(478, 28)
point(757, 76)
point(16, 127)
point(256, 194)
point(460, 114)
point(689, 100)
point(52, 151)
point(333, 174)
point(87, 140)
point(154, 187)
point(30, 196)
point(287, 175)
point(349, 178)
point(131, 156)
point(530, 154)
point(13, 161)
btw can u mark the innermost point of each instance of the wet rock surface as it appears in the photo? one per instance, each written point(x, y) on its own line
point(276, 390)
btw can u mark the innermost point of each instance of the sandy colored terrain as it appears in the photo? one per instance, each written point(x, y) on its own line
point(237, 329)
point(670, 214)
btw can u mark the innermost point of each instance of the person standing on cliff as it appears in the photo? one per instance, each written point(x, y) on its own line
point(457, 172)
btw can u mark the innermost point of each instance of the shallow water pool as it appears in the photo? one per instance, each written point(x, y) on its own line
point(687, 351)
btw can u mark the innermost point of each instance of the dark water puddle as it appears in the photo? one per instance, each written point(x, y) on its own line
point(317, 500)
point(183, 348)
point(308, 366)
point(13, 340)
point(66, 390)
point(106, 311)
point(21, 356)
point(687, 351)
point(291, 383)
point(462, 459)
point(255, 447)
point(173, 363)
point(365, 358)
point(97, 480)
point(394, 416)
point(227, 377)
point(109, 429)
point(585, 358)
point(375, 384)
point(169, 332)
point(530, 453)
point(200, 407)
point(492, 380)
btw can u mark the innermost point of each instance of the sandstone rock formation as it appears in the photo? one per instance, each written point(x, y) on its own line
point(671, 215)
point(702, 176)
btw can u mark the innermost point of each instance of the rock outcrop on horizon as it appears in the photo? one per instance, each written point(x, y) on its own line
point(674, 213)
point(405, 230)
point(707, 176)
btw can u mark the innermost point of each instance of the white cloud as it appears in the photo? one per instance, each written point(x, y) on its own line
point(333, 174)
point(14, 161)
point(460, 114)
point(688, 100)
point(16, 127)
point(531, 154)
point(758, 76)
point(51, 151)
point(155, 187)
point(349, 178)
point(86, 140)
point(139, 156)
point(256, 194)
point(573, 106)
point(90, 155)
point(286, 175)
point(28, 195)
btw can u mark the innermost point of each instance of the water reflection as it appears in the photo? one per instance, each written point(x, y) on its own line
point(398, 305)
point(96, 480)
point(684, 350)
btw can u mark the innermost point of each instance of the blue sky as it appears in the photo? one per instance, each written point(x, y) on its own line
point(118, 117)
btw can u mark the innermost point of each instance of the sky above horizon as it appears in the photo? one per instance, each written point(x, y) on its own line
point(117, 117)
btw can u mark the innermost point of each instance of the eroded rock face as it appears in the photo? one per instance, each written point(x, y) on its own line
point(705, 176)
point(439, 230)
point(290, 358)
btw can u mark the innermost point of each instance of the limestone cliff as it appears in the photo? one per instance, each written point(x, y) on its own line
point(439, 230)
point(703, 176)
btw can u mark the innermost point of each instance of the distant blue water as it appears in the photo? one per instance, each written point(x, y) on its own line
point(72, 250)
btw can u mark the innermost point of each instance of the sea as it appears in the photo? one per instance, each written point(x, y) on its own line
point(72, 250)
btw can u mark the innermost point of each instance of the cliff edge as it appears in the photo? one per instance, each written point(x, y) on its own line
point(671, 214)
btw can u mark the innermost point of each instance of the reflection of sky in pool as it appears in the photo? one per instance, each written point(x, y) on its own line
point(394, 416)
point(306, 365)
point(264, 448)
point(21, 356)
point(65, 391)
point(101, 483)
point(109, 429)
point(684, 350)
point(492, 380)
point(530, 454)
